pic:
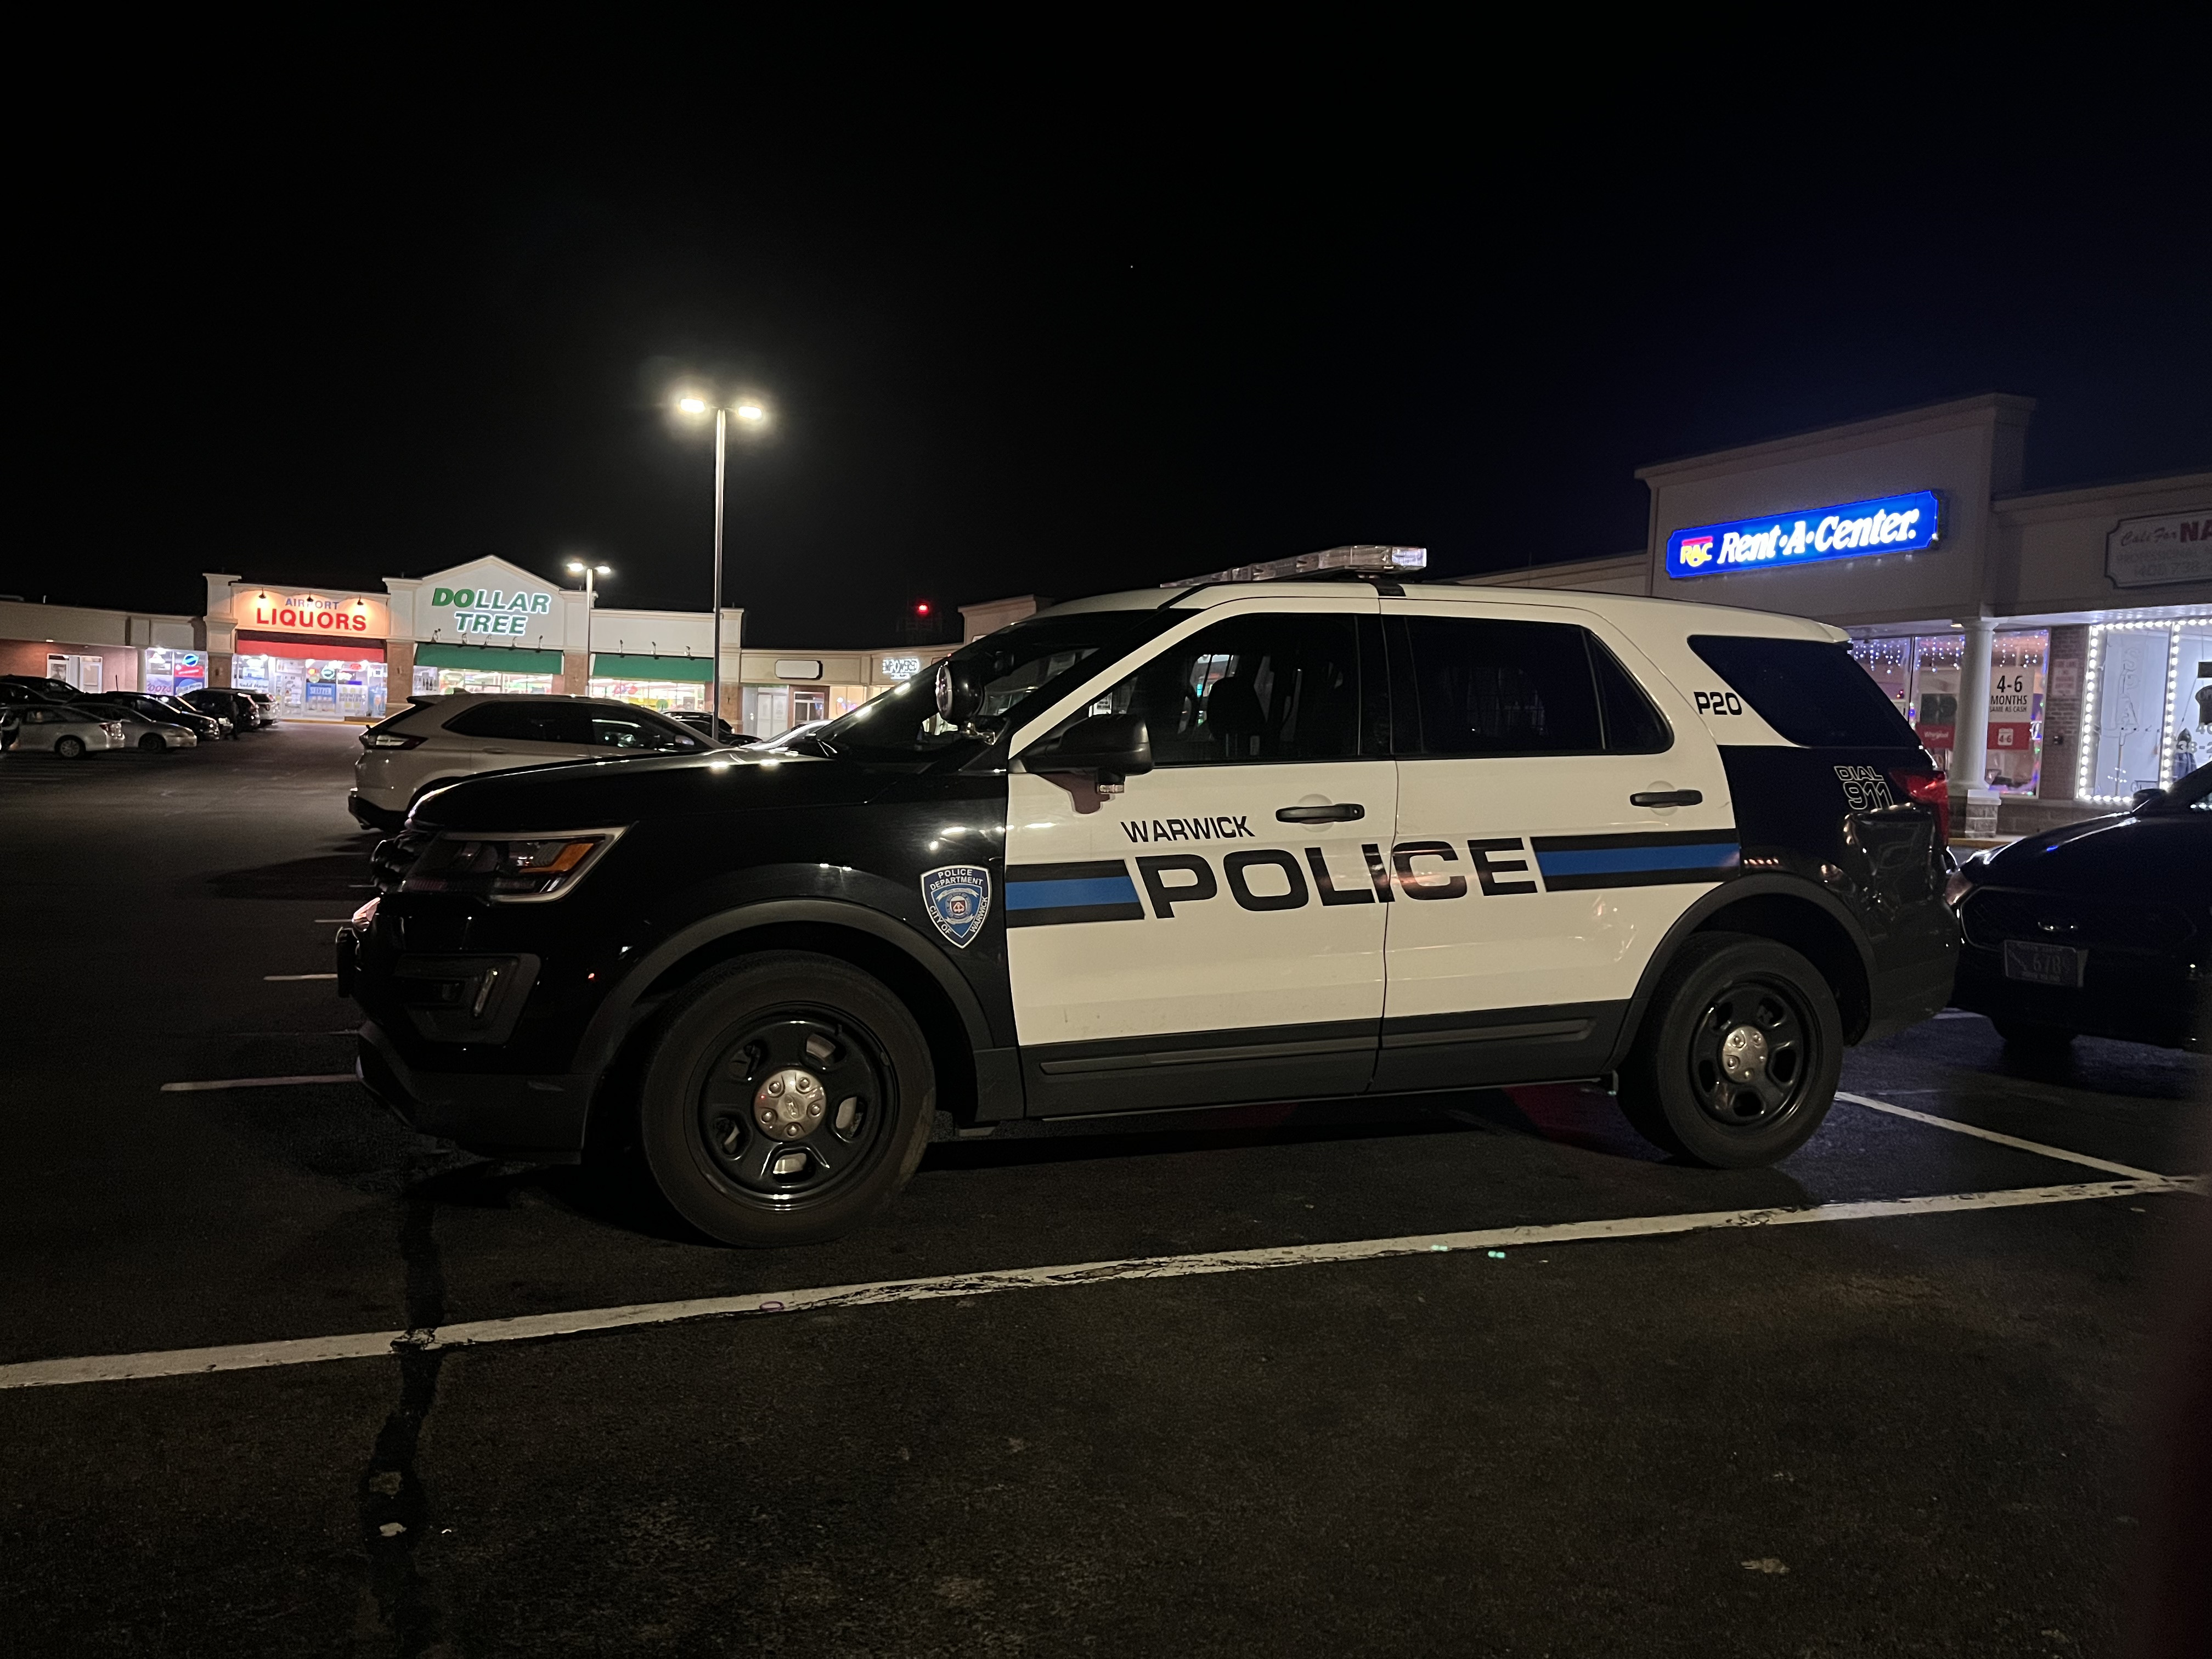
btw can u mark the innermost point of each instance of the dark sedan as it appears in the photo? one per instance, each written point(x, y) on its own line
point(168, 711)
point(240, 710)
point(2104, 928)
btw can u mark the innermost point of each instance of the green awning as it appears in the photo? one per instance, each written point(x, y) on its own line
point(488, 658)
point(619, 666)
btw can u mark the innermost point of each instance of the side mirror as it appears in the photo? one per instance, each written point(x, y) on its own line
point(2143, 798)
point(957, 693)
point(1114, 747)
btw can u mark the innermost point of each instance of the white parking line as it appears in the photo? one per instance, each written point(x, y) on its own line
point(2035, 1146)
point(257, 1082)
point(289, 979)
point(252, 1355)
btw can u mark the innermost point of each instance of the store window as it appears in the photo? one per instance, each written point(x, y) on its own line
point(442, 682)
point(84, 672)
point(173, 673)
point(1920, 675)
point(2147, 699)
point(314, 688)
point(666, 696)
point(770, 711)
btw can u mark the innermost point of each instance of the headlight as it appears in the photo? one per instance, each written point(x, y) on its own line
point(511, 869)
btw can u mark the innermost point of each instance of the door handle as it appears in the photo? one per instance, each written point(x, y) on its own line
point(1342, 813)
point(1667, 798)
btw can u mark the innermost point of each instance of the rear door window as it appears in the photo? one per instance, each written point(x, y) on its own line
point(1494, 686)
point(1813, 693)
point(599, 726)
point(515, 722)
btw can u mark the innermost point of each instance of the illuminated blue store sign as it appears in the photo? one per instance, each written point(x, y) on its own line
point(1894, 524)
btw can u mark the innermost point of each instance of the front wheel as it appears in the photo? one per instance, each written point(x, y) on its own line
point(152, 743)
point(787, 1097)
point(1739, 1054)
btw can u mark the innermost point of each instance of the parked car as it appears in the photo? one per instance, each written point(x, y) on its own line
point(223, 724)
point(438, 741)
point(164, 711)
point(265, 706)
point(1138, 854)
point(141, 730)
point(720, 729)
point(240, 710)
point(36, 688)
point(11, 727)
point(2103, 927)
point(69, 730)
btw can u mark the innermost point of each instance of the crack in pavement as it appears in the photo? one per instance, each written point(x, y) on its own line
point(400, 1603)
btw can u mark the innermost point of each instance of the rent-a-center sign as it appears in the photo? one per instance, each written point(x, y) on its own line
point(1857, 530)
point(491, 610)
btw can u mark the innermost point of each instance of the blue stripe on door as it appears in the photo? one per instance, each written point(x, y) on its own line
point(1610, 860)
point(1062, 894)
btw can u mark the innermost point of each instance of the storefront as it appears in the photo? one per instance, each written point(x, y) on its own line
point(488, 625)
point(313, 679)
point(97, 650)
point(672, 685)
point(2053, 649)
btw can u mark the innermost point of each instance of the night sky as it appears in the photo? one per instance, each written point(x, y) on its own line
point(1046, 339)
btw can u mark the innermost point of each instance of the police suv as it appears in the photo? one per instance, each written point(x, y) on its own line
point(1241, 842)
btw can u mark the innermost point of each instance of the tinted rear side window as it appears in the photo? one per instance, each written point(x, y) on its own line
point(512, 722)
point(1812, 693)
point(1489, 686)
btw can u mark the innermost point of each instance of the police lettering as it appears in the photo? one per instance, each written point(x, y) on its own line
point(1224, 827)
point(1169, 879)
point(1719, 702)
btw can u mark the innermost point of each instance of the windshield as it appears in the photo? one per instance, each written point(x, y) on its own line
point(1016, 670)
point(2191, 794)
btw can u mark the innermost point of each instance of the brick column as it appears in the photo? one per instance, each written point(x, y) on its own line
point(575, 673)
point(2063, 736)
point(218, 666)
point(398, 672)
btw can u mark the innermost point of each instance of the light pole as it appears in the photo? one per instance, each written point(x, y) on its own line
point(751, 412)
point(577, 568)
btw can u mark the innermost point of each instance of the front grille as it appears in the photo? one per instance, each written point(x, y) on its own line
point(1991, 918)
point(393, 858)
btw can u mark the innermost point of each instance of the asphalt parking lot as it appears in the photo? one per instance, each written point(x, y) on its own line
point(1445, 1376)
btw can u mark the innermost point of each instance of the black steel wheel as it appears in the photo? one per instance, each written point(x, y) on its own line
point(1739, 1053)
point(788, 1096)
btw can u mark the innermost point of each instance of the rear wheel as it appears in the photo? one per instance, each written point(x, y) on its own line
point(69, 748)
point(1739, 1054)
point(786, 1099)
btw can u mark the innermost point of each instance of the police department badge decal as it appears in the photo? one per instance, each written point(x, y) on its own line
point(958, 898)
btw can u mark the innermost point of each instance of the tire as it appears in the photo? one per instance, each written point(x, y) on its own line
point(152, 743)
point(1694, 1088)
point(732, 1038)
point(2035, 1037)
point(69, 748)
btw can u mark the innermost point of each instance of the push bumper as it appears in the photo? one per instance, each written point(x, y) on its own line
point(539, 1119)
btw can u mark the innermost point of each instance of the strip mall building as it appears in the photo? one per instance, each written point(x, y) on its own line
point(2053, 647)
point(483, 626)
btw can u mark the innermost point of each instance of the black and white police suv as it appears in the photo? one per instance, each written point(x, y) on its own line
point(1241, 842)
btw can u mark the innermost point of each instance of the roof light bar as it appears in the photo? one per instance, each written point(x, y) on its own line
point(1365, 556)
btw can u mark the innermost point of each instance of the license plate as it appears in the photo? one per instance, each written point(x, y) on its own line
point(2044, 964)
